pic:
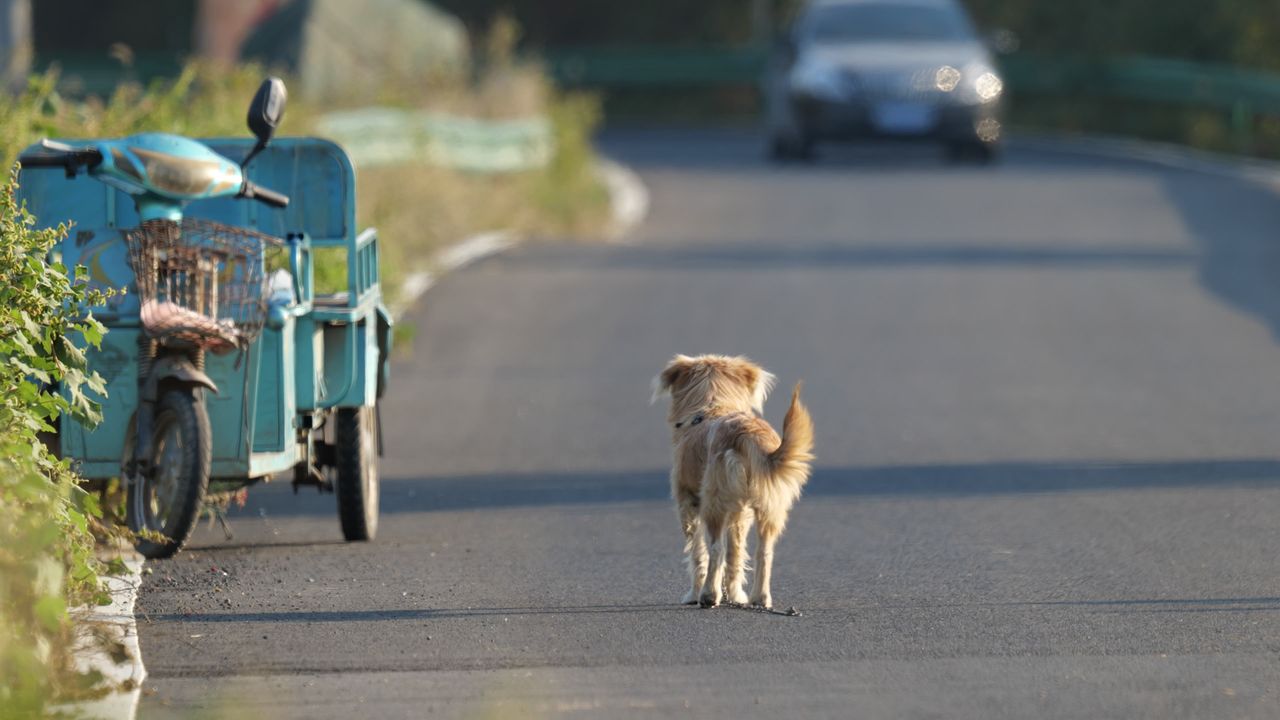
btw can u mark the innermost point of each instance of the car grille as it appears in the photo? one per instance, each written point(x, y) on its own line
point(892, 86)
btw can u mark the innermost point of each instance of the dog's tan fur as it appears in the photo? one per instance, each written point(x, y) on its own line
point(729, 468)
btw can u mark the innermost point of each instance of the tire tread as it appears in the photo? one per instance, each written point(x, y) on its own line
point(350, 462)
point(193, 423)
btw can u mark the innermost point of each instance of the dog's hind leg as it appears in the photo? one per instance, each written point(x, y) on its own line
point(717, 510)
point(767, 532)
point(711, 592)
point(736, 556)
point(695, 544)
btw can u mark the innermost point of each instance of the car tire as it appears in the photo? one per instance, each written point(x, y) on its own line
point(972, 151)
point(791, 149)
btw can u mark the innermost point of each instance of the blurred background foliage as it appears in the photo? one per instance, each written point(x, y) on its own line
point(1239, 32)
point(1243, 32)
point(558, 23)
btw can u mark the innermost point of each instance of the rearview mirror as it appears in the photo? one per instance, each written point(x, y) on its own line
point(266, 109)
point(264, 114)
point(784, 47)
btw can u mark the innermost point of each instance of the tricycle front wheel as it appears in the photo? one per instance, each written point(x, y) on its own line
point(356, 436)
point(168, 501)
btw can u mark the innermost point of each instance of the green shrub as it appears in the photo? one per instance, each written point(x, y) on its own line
point(47, 560)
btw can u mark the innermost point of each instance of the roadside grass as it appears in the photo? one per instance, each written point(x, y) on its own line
point(47, 522)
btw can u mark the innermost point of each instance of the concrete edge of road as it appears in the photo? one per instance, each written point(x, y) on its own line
point(628, 197)
point(628, 207)
point(1167, 154)
point(449, 259)
point(118, 623)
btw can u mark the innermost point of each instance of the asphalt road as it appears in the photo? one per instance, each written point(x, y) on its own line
point(1047, 397)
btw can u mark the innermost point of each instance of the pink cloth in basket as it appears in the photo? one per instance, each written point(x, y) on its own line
point(167, 319)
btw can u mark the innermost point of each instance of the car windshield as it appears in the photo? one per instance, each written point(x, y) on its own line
point(893, 22)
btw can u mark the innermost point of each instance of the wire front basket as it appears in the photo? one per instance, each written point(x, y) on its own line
point(200, 282)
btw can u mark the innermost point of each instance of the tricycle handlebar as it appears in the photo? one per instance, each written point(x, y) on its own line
point(264, 195)
point(55, 154)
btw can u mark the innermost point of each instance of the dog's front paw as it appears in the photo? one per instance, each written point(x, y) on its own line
point(708, 600)
point(763, 601)
point(690, 598)
point(737, 596)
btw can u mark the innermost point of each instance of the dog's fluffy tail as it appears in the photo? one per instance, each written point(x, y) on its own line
point(789, 464)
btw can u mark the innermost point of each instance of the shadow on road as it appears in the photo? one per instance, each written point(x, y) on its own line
point(1236, 223)
point(1145, 605)
point(719, 150)
point(408, 614)
point(524, 490)
point(835, 254)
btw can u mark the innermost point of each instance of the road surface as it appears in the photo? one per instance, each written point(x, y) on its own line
point(1047, 398)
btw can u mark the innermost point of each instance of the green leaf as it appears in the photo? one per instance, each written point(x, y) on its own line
point(92, 331)
point(51, 611)
point(70, 355)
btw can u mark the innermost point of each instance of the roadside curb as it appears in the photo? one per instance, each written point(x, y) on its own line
point(447, 260)
point(118, 622)
point(1167, 154)
point(628, 197)
point(628, 207)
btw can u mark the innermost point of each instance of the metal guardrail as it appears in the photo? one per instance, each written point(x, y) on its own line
point(1241, 92)
point(1160, 80)
point(656, 66)
point(388, 136)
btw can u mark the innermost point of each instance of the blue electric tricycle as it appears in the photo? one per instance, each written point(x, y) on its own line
point(222, 367)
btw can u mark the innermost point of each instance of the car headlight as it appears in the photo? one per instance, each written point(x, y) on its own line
point(976, 84)
point(817, 78)
point(947, 79)
point(988, 86)
point(982, 83)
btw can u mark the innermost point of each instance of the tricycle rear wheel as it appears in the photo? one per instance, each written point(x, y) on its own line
point(356, 436)
point(169, 501)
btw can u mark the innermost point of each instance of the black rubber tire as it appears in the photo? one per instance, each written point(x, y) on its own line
point(973, 151)
point(356, 437)
point(183, 410)
point(779, 150)
point(783, 149)
point(806, 148)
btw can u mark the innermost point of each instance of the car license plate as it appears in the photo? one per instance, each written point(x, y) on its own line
point(903, 117)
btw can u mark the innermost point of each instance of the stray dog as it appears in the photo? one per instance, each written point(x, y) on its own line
point(728, 467)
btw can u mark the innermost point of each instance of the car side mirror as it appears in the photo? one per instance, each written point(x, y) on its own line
point(784, 47)
point(265, 113)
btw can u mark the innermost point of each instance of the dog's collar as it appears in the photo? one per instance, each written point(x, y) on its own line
point(695, 420)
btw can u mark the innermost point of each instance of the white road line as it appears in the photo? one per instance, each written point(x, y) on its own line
point(628, 197)
point(1169, 155)
point(449, 259)
point(628, 206)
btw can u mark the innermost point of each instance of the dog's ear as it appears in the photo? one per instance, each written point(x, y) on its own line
point(764, 385)
point(759, 380)
point(671, 376)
